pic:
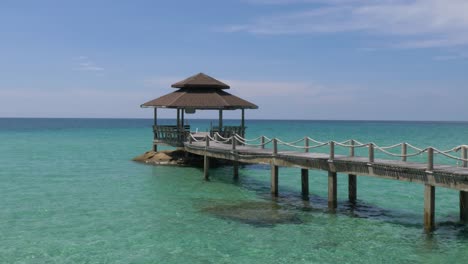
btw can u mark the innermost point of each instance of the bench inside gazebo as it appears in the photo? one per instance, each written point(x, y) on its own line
point(198, 92)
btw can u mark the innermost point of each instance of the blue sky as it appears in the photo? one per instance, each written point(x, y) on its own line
point(296, 59)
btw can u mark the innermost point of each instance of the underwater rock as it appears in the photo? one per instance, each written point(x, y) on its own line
point(260, 214)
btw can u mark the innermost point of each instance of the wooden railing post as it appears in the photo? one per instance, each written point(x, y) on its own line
point(207, 141)
point(404, 151)
point(190, 138)
point(306, 144)
point(275, 146)
point(234, 141)
point(371, 152)
point(332, 150)
point(263, 142)
point(430, 159)
point(351, 149)
point(464, 153)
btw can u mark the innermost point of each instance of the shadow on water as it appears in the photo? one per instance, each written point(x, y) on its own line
point(289, 208)
point(256, 213)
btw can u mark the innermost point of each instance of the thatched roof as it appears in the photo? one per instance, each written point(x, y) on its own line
point(199, 81)
point(200, 92)
point(200, 99)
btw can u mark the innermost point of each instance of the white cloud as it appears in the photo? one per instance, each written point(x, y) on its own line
point(416, 23)
point(85, 64)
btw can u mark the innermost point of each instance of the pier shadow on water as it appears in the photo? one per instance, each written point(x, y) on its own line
point(255, 213)
point(290, 208)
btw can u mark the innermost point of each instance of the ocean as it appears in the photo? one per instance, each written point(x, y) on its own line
point(69, 193)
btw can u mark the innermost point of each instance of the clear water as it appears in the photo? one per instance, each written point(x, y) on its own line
point(70, 194)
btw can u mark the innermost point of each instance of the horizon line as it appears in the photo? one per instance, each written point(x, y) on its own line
point(253, 119)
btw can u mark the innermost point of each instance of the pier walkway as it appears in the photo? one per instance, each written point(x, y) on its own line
point(255, 151)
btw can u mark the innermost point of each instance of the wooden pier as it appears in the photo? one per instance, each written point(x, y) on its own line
point(432, 175)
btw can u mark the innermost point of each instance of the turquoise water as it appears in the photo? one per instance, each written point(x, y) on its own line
point(70, 194)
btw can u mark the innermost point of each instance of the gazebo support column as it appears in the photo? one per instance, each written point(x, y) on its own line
point(243, 123)
point(220, 123)
point(178, 118)
point(155, 146)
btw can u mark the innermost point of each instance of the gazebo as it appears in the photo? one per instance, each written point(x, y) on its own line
point(198, 92)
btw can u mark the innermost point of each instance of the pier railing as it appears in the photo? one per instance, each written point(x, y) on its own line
point(171, 134)
point(407, 150)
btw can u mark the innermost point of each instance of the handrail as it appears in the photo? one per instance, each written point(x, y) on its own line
point(351, 144)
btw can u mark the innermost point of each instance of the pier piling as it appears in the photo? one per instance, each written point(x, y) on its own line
point(332, 190)
point(352, 188)
point(463, 206)
point(236, 170)
point(274, 180)
point(305, 183)
point(429, 207)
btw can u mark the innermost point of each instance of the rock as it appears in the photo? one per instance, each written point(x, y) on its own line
point(168, 157)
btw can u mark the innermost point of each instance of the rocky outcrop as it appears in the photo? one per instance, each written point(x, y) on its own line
point(169, 157)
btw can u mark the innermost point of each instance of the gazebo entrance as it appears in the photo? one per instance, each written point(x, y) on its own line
point(198, 92)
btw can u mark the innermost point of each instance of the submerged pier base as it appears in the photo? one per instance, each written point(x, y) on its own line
point(332, 190)
point(464, 206)
point(429, 207)
point(274, 180)
point(305, 184)
point(352, 188)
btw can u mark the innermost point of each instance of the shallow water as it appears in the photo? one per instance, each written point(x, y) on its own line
point(69, 193)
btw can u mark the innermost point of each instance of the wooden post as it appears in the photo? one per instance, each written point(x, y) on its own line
point(234, 142)
point(263, 142)
point(275, 146)
point(371, 153)
point(464, 153)
point(464, 206)
point(332, 190)
point(429, 207)
point(305, 183)
point(351, 149)
point(155, 116)
point(332, 150)
point(206, 167)
point(206, 160)
point(178, 119)
point(404, 151)
point(220, 124)
point(352, 188)
point(182, 119)
point(430, 159)
point(155, 133)
point(306, 144)
point(243, 123)
point(274, 180)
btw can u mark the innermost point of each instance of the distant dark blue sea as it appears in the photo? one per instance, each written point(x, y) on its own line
point(69, 193)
